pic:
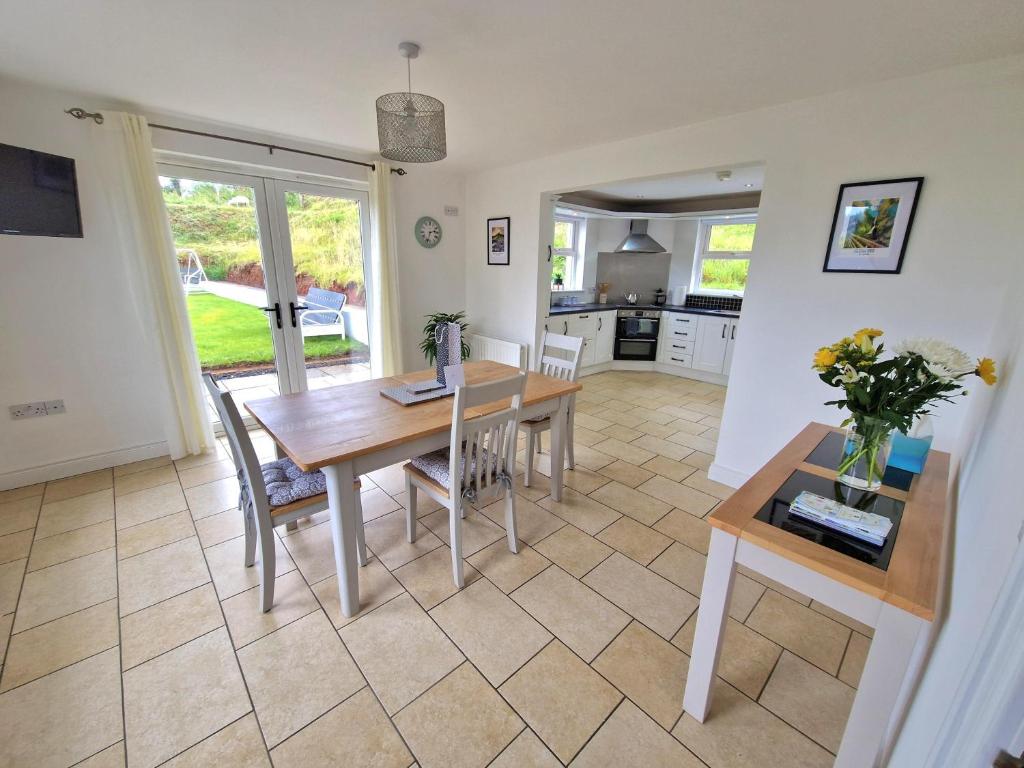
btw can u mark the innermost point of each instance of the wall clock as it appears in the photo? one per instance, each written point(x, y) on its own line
point(428, 231)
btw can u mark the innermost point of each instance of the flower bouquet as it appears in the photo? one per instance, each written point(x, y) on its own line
point(886, 394)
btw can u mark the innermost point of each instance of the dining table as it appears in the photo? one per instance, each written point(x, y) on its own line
point(352, 429)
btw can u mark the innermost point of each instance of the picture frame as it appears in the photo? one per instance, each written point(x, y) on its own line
point(871, 226)
point(499, 241)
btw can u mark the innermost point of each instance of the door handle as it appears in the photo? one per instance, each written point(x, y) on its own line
point(733, 336)
point(549, 254)
point(276, 309)
point(293, 307)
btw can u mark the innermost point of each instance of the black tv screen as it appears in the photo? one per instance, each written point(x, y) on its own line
point(38, 194)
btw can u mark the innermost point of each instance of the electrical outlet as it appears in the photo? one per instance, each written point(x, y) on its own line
point(451, 210)
point(27, 410)
point(55, 406)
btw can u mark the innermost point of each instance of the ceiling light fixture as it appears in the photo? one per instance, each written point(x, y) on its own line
point(410, 126)
point(724, 175)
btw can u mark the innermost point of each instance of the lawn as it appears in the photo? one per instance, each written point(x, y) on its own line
point(229, 334)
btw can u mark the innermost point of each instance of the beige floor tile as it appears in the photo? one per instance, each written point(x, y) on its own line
point(813, 702)
point(670, 468)
point(376, 504)
point(206, 473)
point(19, 514)
point(843, 619)
point(533, 493)
point(178, 699)
point(583, 436)
point(692, 531)
point(647, 597)
point(655, 429)
point(700, 460)
point(24, 492)
point(806, 633)
point(853, 661)
point(160, 573)
point(147, 478)
point(297, 674)
point(239, 745)
point(429, 578)
point(75, 512)
point(562, 699)
point(495, 634)
point(634, 540)
point(156, 533)
point(629, 737)
point(216, 454)
point(312, 549)
point(534, 523)
point(459, 723)
point(573, 550)
point(247, 621)
point(662, 447)
point(66, 588)
point(741, 734)
point(220, 527)
point(630, 452)
point(11, 575)
point(140, 466)
point(582, 511)
point(478, 531)
point(619, 413)
point(424, 504)
point(65, 717)
point(79, 485)
point(589, 421)
point(376, 587)
point(387, 540)
point(149, 504)
point(508, 570)
point(211, 498)
point(526, 751)
point(391, 479)
point(578, 616)
point(580, 479)
point(301, 524)
point(624, 473)
point(628, 501)
point(400, 651)
point(67, 546)
point(747, 658)
point(588, 457)
point(782, 589)
point(701, 482)
point(111, 757)
point(678, 495)
point(15, 546)
point(5, 633)
point(685, 568)
point(690, 427)
point(57, 644)
point(695, 442)
point(355, 733)
point(649, 670)
point(680, 412)
point(166, 625)
point(622, 433)
point(231, 576)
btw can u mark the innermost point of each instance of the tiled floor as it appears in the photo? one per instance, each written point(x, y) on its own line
point(137, 637)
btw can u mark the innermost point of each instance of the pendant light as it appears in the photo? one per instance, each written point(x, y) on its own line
point(410, 125)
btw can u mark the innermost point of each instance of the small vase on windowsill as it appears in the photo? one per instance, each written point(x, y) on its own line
point(865, 453)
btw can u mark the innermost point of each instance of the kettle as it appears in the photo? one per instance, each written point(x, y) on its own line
point(632, 297)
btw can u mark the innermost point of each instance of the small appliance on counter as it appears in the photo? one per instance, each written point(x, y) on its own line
point(679, 296)
point(660, 297)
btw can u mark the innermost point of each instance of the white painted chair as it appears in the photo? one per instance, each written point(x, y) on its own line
point(272, 494)
point(563, 364)
point(476, 468)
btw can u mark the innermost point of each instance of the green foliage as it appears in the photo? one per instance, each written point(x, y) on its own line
point(558, 267)
point(732, 238)
point(724, 274)
point(429, 343)
point(563, 234)
point(870, 222)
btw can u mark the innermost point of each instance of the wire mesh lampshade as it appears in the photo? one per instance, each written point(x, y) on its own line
point(410, 127)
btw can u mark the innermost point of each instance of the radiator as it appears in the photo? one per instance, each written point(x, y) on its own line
point(498, 350)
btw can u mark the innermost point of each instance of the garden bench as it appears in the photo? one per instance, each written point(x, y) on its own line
point(323, 316)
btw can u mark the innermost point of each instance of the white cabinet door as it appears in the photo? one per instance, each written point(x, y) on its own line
point(712, 344)
point(733, 332)
point(586, 326)
point(604, 341)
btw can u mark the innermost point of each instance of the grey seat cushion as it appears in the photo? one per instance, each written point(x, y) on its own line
point(436, 463)
point(287, 483)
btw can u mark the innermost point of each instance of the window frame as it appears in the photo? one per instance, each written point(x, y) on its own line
point(701, 251)
point(574, 258)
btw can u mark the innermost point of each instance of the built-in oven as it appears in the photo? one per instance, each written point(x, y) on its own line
point(636, 334)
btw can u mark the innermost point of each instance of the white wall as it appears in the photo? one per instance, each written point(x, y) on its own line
point(684, 243)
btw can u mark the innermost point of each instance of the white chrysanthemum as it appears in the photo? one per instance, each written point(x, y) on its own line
point(943, 360)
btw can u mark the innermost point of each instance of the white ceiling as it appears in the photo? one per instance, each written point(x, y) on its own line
point(519, 79)
point(744, 179)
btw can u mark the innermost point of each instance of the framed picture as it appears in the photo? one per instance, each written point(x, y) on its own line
point(871, 226)
point(498, 243)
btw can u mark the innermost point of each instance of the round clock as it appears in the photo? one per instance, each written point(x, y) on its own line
point(428, 232)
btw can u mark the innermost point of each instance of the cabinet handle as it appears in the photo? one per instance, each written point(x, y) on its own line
point(679, 333)
point(733, 337)
point(565, 330)
point(600, 322)
point(678, 360)
point(549, 254)
point(723, 331)
point(678, 346)
point(584, 317)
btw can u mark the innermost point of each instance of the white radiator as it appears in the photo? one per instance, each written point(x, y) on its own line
point(498, 350)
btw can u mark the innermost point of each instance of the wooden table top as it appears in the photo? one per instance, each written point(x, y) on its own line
point(911, 581)
point(335, 424)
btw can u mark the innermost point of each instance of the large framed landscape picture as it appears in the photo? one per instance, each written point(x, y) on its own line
point(498, 241)
point(871, 226)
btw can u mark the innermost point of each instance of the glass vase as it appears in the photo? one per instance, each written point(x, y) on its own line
point(865, 453)
point(910, 451)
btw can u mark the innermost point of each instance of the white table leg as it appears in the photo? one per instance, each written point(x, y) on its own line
point(711, 618)
point(897, 635)
point(558, 430)
point(341, 500)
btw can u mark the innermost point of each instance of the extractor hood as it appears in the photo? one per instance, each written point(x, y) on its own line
point(638, 241)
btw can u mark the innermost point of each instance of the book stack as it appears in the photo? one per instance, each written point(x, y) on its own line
point(830, 513)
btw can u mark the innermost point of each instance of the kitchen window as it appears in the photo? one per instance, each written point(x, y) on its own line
point(567, 256)
point(724, 246)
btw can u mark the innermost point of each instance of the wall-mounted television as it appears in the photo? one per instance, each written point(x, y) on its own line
point(38, 194)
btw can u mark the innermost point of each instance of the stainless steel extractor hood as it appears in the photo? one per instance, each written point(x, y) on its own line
point(638, 241)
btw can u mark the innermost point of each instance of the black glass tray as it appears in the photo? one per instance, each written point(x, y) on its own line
point(776, 513)
point(828, 451)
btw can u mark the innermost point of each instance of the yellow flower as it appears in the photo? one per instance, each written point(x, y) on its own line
point(987, 370)
point(864, 337)
point(873, 333)
point(824, 359)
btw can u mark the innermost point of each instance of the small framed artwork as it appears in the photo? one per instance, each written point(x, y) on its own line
point(498, 242)
point(871, 226)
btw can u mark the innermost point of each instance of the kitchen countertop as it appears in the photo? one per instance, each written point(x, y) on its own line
point(576, 309)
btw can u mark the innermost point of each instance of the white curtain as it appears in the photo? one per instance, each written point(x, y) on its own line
point(136, 204)
point(385, 330)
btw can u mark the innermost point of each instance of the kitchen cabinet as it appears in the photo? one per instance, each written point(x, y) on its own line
point(733, 326)
point(712, 344)
point(584, 325)
point(604, 340)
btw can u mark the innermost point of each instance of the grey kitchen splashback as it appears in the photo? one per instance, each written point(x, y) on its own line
point(642, 272)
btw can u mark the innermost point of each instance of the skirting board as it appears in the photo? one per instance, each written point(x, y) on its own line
point(727, 475)
point(33, 475)
point(651, 365)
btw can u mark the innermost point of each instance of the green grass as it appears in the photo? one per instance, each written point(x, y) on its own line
point(229, 334)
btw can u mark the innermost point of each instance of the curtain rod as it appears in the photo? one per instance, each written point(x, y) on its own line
point(80, 114)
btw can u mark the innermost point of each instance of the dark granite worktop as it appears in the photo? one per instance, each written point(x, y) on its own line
point(576, 309)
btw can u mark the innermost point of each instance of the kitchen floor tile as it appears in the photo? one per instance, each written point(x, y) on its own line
point(429, 578)
point(139, 466)
point(15, 546)
point(508, 570)
point(78, 485)
point(526, 750)
point(630, 452)
point(11, 575)
point(230, 574)
point(387, 540)
point(75, 512)
point(66, 588)
point(161, 573)
point(534, 523)
point(239, 745)
point(582, 511)
point(685, 568)
point(678, 495)
point(624, 473)
point(853, 661)
point(247, 621)
point(806, 633)
point(669, 468)
point(746, 660)
point(662, 447)
point(633, 503)
point(146, 478)
point(478, 531)
point(19, 514)
point(166, 625)
point(573, 550)
point(149, 504)
point(629, 737)
point(220, 527)
point(211, 498)
point(636, 541)
point(156, 533)
point(376, 587)
point(692, 531)
point(62, 547)
point(702, 482)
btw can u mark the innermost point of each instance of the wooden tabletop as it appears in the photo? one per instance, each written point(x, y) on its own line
point(335, 424)
point(911, 581)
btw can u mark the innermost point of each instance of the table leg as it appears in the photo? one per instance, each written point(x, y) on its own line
point(341, 500)
point(711, 618)
point(558, 436)
point(896, 640)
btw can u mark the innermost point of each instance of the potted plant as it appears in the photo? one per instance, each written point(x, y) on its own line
point(429, 343)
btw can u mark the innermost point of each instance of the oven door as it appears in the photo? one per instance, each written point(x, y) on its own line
point(637, 327)
point(636, 349)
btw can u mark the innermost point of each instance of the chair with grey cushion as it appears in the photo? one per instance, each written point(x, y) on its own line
point(323, 315)
point(271, 494)
point(477, 467)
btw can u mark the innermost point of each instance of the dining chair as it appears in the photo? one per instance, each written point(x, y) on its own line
point(271, 494)
point(477, 466)
point(563, 364)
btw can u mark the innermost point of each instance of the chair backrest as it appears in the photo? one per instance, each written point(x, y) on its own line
point(491, 439)
point(242, 451)
point(565, 366)
point(329, 299)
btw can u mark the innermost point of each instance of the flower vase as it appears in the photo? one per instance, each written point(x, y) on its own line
point(865, 453)
point(910, 451)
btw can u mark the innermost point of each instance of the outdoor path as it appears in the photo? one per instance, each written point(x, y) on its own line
point(256, 297)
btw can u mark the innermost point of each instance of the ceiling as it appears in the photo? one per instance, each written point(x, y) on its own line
point(704, 184)
point(519, 79)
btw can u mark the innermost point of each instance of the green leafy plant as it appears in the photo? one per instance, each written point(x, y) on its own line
point(429, 343)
